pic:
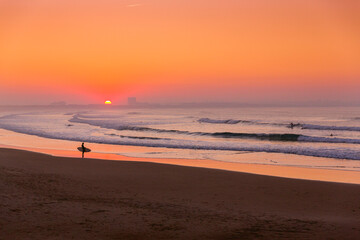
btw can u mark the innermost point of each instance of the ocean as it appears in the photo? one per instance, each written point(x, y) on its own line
point(323, 137)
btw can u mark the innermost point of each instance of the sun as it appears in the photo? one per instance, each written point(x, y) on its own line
point(107, 102)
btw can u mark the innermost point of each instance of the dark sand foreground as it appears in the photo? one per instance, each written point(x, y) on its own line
point(44, 197)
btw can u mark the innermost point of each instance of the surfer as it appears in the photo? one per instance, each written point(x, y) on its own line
point(83, 149)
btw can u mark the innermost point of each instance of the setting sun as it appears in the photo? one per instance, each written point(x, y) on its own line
point(108, 102)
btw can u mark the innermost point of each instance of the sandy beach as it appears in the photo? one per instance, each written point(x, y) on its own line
point(46, 197)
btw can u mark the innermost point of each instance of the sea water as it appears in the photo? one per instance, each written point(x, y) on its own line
point(311, 137)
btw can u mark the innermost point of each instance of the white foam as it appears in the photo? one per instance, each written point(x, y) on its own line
point(236, 121)
point(228, 121)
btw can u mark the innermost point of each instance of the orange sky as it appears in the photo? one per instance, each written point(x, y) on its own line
point(86, 51)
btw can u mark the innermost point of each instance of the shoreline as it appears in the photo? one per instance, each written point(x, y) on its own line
point(48, 197)
point(291, 172)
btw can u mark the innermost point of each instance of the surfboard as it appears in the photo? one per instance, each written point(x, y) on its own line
point(86, 149)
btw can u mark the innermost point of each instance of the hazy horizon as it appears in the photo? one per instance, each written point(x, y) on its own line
point(205, 104)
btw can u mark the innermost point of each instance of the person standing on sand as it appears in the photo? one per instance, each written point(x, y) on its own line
point(83, 149)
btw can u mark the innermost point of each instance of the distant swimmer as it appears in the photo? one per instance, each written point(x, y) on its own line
point(83, 149)
point(292, 125)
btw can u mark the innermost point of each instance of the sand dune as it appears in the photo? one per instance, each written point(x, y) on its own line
point(45, 197)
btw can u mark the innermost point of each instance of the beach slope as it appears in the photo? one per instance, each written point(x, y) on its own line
point(46, 197)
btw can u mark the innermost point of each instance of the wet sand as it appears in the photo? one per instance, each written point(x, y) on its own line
point(46, 197)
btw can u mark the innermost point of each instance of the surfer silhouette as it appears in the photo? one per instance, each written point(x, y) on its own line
point(83, 149)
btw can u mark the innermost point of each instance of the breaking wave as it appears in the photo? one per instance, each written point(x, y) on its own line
point(289, 125)
point(236, 121)
point(228, 121)
point(334, 128)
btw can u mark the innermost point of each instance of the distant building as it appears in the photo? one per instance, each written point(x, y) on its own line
point(131, 100)
point(61, 103)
